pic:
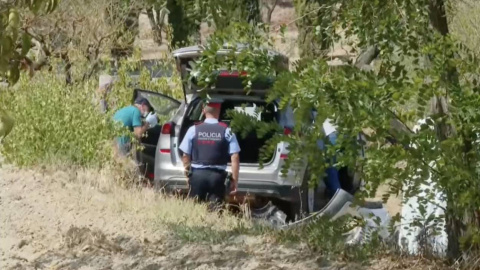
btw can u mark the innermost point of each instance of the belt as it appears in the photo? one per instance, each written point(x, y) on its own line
point(208, 169)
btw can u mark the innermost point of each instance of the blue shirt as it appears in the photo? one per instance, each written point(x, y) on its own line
point(131, 117)
point(186, 145)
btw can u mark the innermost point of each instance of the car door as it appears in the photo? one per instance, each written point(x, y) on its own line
point(165, 108)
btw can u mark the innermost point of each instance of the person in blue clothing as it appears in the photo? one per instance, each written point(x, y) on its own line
point(131, 117)
point(207, 148)
point(333, 180)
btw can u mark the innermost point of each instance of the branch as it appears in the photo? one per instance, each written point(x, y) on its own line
point(88, 74)
point(366, 57)
point(297, 19)
point(270, 10)
point(363, 60)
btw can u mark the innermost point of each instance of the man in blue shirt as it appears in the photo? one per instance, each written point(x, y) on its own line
point(333, 180)
point(131, 117)
point(207, 148)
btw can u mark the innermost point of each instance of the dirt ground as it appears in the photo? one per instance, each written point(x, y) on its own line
point(68, 219)
point(55, 220)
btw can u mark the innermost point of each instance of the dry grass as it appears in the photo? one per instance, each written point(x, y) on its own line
point(156, 210)
point(67, 216)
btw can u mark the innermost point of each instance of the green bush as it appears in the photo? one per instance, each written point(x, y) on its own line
point(62, 123)
point(54, 122)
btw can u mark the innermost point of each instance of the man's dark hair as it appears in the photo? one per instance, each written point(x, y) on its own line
point(143, 101)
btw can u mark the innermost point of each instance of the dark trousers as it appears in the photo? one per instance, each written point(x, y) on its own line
point(208, 185)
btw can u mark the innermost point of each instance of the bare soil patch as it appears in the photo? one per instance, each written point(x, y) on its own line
point(76, 219)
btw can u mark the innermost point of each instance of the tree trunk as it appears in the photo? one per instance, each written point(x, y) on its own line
point(312, 43)
point(270, 9)
point(252, 9)
point(67, 69)
point(182, 26)
point(439, 106)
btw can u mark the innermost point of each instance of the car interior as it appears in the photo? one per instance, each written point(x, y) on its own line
point(250, 144)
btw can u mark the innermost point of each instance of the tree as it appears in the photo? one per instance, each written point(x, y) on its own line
point(418, 66)
point(269, 6)
point(78, 33)
point(185, 17)
point(15, 43)
point(312, 28)
point(420, 63)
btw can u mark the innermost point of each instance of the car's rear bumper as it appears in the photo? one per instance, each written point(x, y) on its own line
point(266, 190)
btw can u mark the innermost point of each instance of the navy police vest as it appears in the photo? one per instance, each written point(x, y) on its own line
point(209, 145)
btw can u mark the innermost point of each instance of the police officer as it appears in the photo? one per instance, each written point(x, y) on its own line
point(207, 148)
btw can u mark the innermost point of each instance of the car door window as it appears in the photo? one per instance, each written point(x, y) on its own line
point(164, 106)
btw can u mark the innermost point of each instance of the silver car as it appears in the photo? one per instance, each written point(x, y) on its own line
point(288, 191)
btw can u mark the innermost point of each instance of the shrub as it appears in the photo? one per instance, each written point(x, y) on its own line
point(55, 122)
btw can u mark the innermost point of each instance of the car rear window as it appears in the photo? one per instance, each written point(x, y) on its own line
point(258, 109)
point(235, 82)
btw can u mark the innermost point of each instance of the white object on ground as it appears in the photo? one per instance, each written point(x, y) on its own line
point(413, 238)
point(152, 119)
point(376, 220)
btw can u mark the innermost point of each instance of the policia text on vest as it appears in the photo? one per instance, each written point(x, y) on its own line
point(207, 148)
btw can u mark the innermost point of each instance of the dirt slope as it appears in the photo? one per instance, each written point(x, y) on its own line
point(79, 220)
point(54, 221)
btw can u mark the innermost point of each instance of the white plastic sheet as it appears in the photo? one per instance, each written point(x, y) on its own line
point(414, 238)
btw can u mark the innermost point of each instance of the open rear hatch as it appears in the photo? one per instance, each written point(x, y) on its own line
point(227, 83)
point(230, 86)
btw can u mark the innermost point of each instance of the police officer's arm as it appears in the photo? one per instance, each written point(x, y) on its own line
point(235, 159)
point(234, 150)
point(186, 147)
point(186, 163)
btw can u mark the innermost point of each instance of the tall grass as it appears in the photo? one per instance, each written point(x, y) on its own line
point(58, 122)
point(55, 122)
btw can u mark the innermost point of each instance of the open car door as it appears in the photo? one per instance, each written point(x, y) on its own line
point(164, 107)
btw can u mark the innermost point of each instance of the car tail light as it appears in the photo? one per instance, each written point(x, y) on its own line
point(167, 128)
point(165, 151)
point(283, 156)
point(287, 131)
